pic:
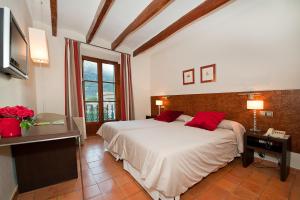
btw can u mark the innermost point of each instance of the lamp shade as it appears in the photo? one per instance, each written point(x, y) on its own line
point(159, 102)
point(38, 46)
point(255, 104)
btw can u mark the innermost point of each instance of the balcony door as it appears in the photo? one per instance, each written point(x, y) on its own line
point(101, 86)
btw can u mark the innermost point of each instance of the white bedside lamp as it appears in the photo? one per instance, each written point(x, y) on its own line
point(159, 103)
point(255, 105)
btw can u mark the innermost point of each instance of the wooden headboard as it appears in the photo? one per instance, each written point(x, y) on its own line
point(284, 103)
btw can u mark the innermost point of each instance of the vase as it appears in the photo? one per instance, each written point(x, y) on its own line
point(25, 131)
point(10, 127)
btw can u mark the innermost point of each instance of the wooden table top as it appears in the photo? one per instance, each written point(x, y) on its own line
point(45, 132)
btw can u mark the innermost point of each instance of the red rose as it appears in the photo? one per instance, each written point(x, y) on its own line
point(16, 111)
point(25, 113)
point(8, 111)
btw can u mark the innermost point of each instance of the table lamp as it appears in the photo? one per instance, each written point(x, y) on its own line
point(159, 103)
point(255, 105)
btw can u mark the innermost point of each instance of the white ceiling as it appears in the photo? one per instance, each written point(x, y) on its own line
point(77, 16)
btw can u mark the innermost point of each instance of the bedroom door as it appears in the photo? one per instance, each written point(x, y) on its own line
point(101, 86)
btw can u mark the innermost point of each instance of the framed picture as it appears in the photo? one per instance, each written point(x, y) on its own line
point(208, 73)
point(188, 76)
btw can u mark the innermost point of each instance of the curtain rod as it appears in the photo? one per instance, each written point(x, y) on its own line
point(98, 46)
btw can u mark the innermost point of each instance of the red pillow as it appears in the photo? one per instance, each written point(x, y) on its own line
point(206, 120)
point(168, 116)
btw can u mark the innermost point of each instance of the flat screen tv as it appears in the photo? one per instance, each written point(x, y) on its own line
point(13, 46)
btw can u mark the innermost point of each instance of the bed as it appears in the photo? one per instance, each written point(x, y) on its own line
point(168, 158)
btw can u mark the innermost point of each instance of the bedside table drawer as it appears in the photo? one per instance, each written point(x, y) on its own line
point(264, 144)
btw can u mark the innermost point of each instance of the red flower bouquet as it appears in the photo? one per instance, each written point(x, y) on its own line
point(12, 119)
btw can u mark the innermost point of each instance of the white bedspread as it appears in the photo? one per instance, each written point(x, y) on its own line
point(110, 131)
point(173, 157)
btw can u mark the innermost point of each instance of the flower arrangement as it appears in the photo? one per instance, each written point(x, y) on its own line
point(14, 118)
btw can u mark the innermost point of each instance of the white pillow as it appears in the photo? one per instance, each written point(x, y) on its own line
point(232, 125)
point(237, 128)
point(184, 118)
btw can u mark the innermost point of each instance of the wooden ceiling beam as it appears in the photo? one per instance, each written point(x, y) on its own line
point(201, 10)
point(152, 9)
point(100, 14)
point(53, 8)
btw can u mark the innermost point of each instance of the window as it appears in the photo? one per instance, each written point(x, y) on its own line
point(91, 87)
point(109, 93)
point(100, 86)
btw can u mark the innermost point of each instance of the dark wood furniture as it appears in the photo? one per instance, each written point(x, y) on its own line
point(45, 155)
point(260, 143)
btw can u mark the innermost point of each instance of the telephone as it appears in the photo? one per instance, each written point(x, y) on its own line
point(275, 133)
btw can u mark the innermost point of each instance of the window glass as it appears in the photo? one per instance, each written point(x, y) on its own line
point(90, 71)
point(109, 92)
point(91, 91)
point(109, 111)
point(108, 72)
point(92, 112)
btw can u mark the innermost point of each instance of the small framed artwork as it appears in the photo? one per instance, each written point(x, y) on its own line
point(208, 73)
point(188, 76)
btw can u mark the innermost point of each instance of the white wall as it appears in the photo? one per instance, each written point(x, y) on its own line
point(50, 86)
point(96, 52)
point(141, 85)
point(255, 45)
point(14, 92)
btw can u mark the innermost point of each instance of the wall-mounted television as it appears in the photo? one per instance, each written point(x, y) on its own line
point(13, 46)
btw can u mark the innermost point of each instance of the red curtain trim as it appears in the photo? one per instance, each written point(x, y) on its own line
point(66, 75)
point(78, 79)
point(130, 96)
point(123, 65)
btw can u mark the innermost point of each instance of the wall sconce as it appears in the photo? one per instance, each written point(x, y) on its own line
point(159, 103)
point(38, 46)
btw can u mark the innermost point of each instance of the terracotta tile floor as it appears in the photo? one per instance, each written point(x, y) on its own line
point(104, 179)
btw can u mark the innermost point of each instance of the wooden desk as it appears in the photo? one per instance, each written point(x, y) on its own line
point(46, 155)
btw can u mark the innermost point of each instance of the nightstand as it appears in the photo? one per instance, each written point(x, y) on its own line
point(150, 116)
point(258, 142)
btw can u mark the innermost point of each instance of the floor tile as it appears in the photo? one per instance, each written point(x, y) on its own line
point(45, 193)
point(255, 187)
point(227, 185)
point(214, 193)
point(76, 195)
point(108, 186)
point(140, 196)
point(102, 177)
point(26, 196)
point(68, 186)
point(295, 193)
point(130, 188)
point(122, 179)
point(91, 191)
point(245, 193)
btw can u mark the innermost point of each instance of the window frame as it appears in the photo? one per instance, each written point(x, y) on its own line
point(100, 83)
